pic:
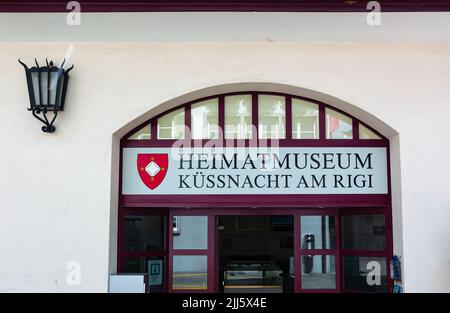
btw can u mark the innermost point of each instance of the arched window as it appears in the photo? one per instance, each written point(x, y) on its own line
point(292, 120)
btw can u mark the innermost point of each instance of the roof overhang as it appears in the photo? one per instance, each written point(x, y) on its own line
point(224, 6)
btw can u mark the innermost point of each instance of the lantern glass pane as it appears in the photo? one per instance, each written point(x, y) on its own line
point(35, 82)
point(53, 87)
point(44, 87)
point(61, 87)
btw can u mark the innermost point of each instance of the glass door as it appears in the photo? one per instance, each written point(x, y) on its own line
point(365, 250)
point(191, 261)
point(143, 245)
point(317, 251)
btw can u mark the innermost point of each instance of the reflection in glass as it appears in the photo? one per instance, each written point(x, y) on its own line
point(141, 134)
point(271, 117)
point(363, 232)
point(205, 119)
point(144, 232)
point(318, 272)
point(305, 120)
point(318, 232)
point(154, 266)
point(358, 268)
point(171, 125)
point(338, 125)
point(238, 117)
point(190, 272)
point(365, 133)
point(192, 232)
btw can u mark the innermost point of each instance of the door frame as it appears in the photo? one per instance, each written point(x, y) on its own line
point(122, 253)
point(209, 252)
point(212, 252)
point(296, 214)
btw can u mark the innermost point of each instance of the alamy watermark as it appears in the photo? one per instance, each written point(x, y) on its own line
point(373, 277)
point(374, 16)
point(74, 16)
point(73, 277)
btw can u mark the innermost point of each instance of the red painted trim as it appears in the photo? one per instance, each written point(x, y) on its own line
point(121, 242)
point(216, 254)
point(218, 5)
point(221, 120)
point(338, 245)
point(318, 251)
point(187, 122)
point(333, 252)
point(212, 233)
point(381, 253)
point(275, 200)
point(255, 117)
point(288, 117)
point(209, 251)
point(322, 125)
point(190, 251)
point(122, 253)
point(355, 129)
point(297, 257)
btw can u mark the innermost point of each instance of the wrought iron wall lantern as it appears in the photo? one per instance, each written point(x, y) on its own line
point(47, 87)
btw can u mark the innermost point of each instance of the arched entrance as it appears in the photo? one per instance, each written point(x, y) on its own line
point(256, 191)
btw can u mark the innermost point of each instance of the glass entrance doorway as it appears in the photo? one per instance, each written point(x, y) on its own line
point(256, 254)
point(260, 250)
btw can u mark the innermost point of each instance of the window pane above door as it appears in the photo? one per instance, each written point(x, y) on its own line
point(305, 120)
point(171, 125)
point(338, 125)
point(142, 134)
point(365, 133)
point(238, 117)
point(271, 117)
point(205, 119)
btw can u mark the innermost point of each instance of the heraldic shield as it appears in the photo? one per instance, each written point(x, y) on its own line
point(152, 168)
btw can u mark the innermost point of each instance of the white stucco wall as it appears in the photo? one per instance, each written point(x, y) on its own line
point(59, 191)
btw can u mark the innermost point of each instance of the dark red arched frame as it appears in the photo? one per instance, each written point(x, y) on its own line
point(214, 206)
